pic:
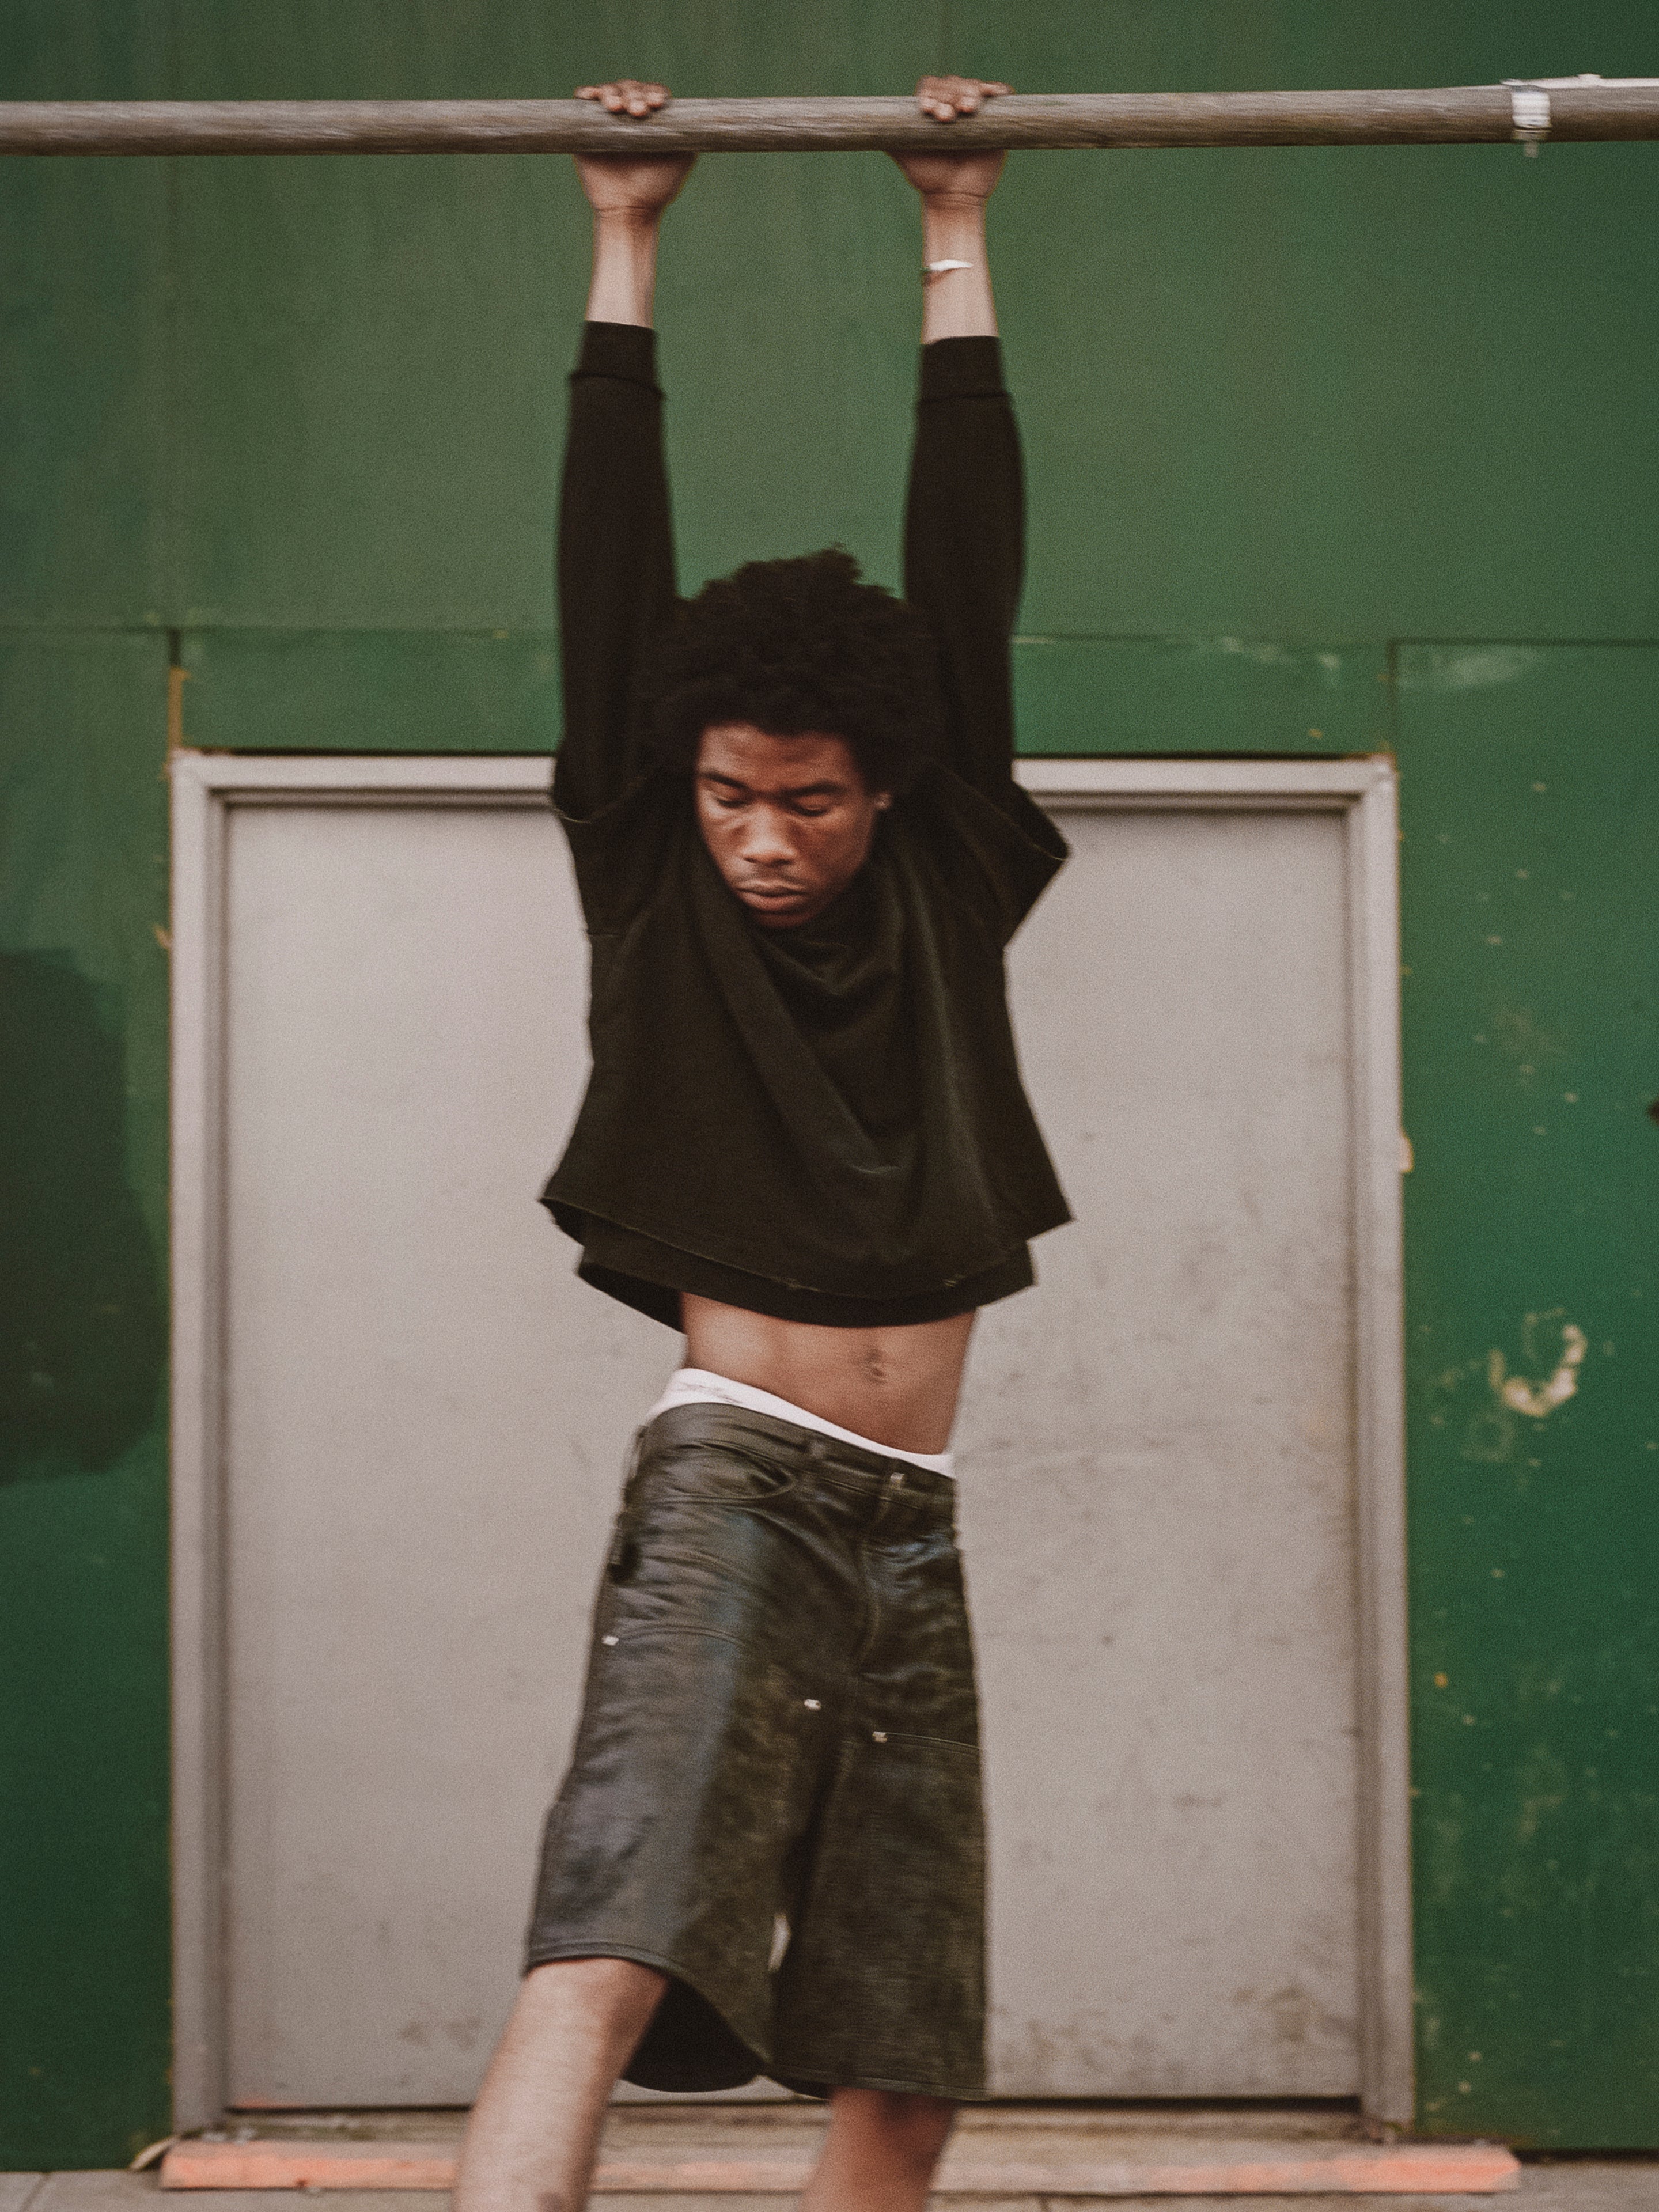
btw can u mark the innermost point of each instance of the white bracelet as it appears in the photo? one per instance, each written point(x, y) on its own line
point(940, 268)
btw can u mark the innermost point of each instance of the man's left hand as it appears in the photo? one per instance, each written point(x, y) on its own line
point(954, 176)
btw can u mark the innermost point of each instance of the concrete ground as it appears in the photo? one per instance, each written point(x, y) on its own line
point(674, 2129)
point(1564, 2185)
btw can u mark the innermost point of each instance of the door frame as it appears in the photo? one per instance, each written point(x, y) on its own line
point(206, 786)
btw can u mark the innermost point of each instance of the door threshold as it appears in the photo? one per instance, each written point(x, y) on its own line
point(1028, 2152)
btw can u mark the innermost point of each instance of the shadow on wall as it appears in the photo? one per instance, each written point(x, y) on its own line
point(82, 1318)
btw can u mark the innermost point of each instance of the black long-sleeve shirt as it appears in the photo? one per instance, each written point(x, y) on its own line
point(825, 1124)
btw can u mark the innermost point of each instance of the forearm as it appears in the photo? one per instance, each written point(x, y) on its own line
point(964, 549)
point(624, 266)
point(956, 303)
point(615, 544)
point(616, 567)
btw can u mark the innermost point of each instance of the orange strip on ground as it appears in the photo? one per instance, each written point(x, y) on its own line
point(1419, 2169)
point(308, 2166)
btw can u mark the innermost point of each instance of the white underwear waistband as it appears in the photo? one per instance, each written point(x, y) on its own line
point(696, 1386)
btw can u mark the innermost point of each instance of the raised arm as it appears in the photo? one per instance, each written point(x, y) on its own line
point(615, 540)
point(964, 528)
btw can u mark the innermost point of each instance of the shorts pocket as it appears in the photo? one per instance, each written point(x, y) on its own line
point(691, 1472)
point(714, 1474)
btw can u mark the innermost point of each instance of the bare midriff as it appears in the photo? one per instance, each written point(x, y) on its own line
point(896, 1386)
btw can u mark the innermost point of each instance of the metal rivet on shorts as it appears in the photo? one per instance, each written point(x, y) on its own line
point(813, 1705)
point(896, 1478)
point(879, 1735)
point(607, 1639)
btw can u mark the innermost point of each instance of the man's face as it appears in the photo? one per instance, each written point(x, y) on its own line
point(788, 821)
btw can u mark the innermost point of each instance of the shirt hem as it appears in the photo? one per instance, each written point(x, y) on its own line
point(675, 1271)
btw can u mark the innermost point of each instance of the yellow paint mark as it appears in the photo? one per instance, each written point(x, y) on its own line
point(162, 937)
point(1441, 1680)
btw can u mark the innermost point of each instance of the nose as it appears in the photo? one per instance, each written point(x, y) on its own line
point(767, 842)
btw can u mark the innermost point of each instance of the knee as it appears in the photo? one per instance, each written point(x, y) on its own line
point(913, 2128)
point(920, 2116)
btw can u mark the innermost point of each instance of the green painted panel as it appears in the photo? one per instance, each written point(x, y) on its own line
point(1301, 394)
point(489, 691)
point(82, 275)
point(83, 1635)
point(423, 692)
point(375, 350)
point(1221, 694)
point(1530, 782)
point(1331, 393)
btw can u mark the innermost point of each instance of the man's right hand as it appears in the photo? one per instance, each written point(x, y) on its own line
point(629, 184)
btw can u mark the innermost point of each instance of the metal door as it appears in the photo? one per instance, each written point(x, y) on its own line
point(422, 1418)
point(1158, 1475)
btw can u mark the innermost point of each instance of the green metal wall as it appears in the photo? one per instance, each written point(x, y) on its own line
point(1330, 450)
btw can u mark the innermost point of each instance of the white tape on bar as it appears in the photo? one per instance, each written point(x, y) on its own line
point(1529, 113)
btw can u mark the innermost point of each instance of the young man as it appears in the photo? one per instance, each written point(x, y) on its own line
point(801, 852)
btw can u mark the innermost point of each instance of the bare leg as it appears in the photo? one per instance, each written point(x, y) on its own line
point(879, 2154)
point(535, 2129)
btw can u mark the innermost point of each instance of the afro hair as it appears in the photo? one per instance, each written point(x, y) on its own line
point(797, 646)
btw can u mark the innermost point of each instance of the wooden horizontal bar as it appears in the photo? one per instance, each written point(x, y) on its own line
point(1459, 114)
point(1418, 2169)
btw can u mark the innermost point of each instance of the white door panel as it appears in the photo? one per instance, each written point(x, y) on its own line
point(1157, 1451)
point(424, 1417)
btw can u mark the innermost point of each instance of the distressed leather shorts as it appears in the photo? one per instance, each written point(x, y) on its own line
point(773, 1796)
